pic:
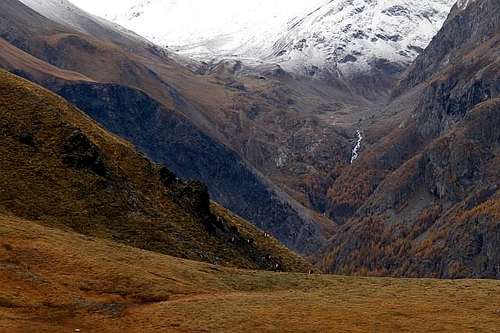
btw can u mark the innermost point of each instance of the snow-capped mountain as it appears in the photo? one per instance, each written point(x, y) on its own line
point(352, 36)
point(198, 28)
point(343, 37)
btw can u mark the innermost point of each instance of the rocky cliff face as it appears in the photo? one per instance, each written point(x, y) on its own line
point(430, 199)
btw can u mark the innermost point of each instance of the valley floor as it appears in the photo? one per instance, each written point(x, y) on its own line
point(57, 281)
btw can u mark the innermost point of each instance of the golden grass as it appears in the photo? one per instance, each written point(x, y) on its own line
point(56, 281)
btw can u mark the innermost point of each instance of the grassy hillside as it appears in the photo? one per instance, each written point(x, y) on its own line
point(57, 166)
point(57, 281)
point(15, 60)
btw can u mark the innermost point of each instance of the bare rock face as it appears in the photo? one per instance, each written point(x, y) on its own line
point(446, 102)
point(80, 152)
point(191, 194)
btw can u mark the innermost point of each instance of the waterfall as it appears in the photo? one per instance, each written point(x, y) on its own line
point(355, 150)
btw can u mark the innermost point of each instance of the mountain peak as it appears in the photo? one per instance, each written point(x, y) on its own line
point(356, 36)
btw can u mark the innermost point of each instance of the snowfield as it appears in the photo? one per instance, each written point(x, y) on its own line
point(199, 28)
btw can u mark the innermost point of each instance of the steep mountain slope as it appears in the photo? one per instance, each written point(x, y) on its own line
point(208, 103)
point(55, 281)
point(424, 200)
point(295, 131)
point(66, 14)
point(171, 140)
point(58, 167)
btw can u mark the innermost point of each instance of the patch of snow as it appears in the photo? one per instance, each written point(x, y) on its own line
point(462, 4)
